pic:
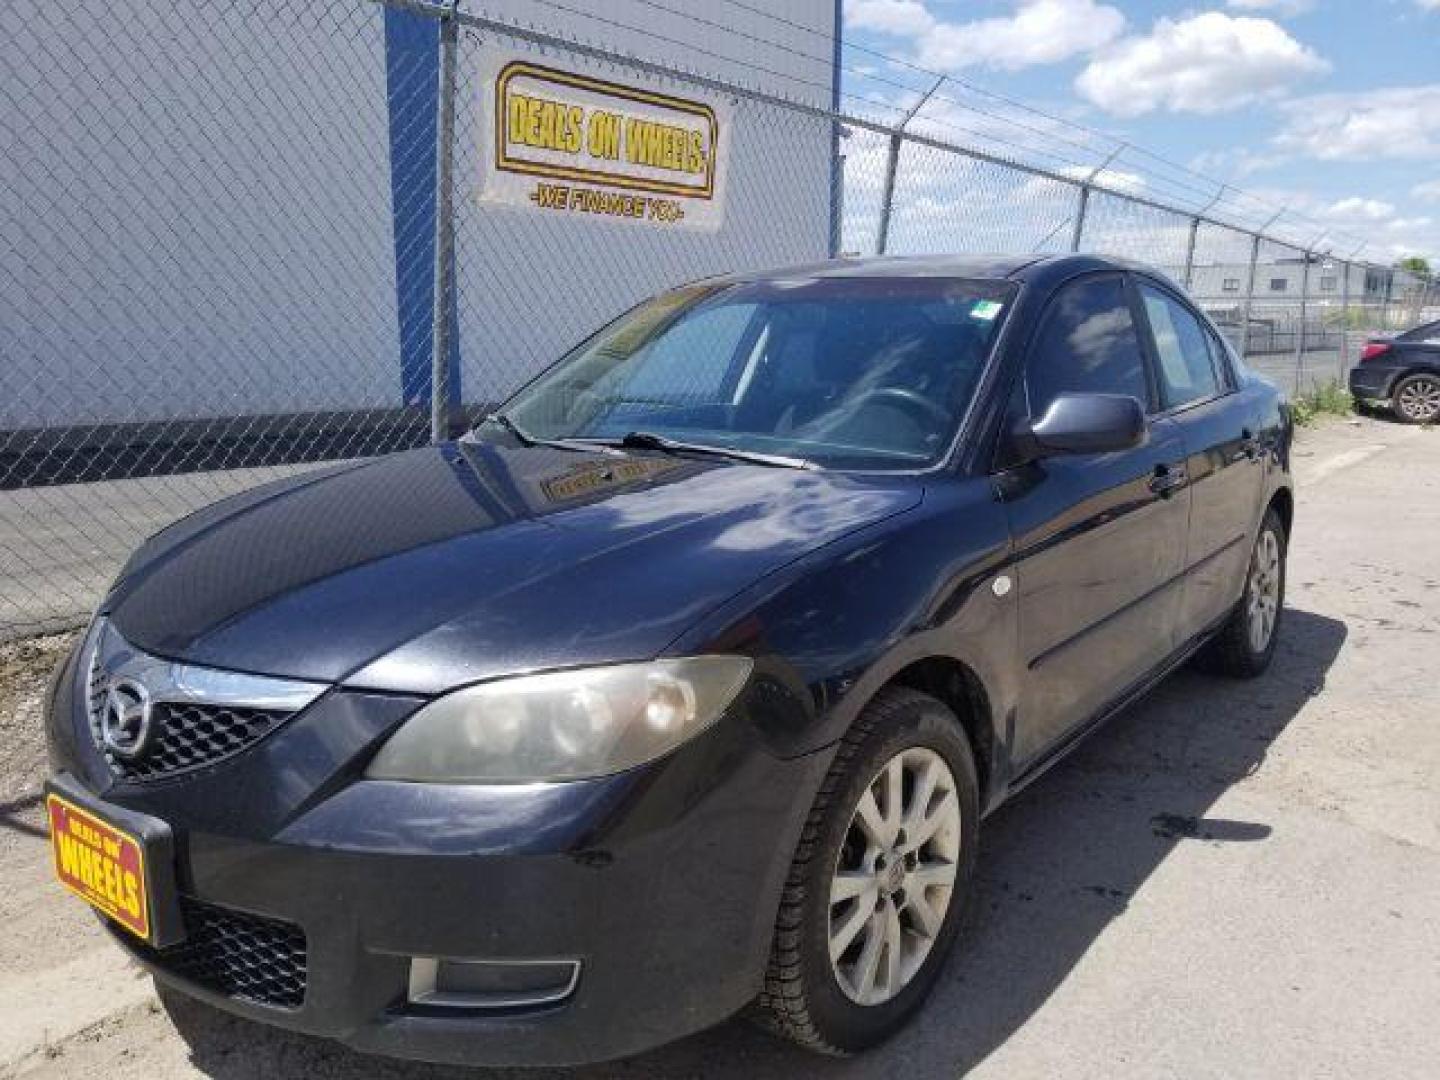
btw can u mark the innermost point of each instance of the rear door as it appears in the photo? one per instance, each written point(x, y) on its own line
point(1222, 447)
point(1100, 538)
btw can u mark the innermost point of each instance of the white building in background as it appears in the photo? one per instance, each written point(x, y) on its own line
point(1285, 280)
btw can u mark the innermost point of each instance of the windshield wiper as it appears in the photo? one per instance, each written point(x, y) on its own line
point(648, 440)
point(526, 439)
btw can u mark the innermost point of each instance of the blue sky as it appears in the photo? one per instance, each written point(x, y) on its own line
point(1330, 107)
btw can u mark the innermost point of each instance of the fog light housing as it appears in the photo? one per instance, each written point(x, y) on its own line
point(438, 982)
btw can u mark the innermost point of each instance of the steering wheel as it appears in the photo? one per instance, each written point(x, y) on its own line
point(915, 402)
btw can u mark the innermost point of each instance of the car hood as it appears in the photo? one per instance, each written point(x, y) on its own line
point(431, 568)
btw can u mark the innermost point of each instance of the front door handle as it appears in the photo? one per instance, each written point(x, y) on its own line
point(1249, 445)
point(1168, 479)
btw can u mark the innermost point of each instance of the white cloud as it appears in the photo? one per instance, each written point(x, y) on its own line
point(1357, 208)
point(1280, 7)
point(1037, 32)
point(1348, 220)
point(1409, 224)
point(1427, 190)
point(1204, 63)
point(1235, 162)
point(902, 18)
point(1398, 122)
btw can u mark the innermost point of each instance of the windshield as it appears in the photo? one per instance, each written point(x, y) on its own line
point(853, 373)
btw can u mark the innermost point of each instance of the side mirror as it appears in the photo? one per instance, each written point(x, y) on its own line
point(1085, 424)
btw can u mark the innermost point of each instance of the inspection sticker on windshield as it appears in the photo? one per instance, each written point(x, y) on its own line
point(985, 310)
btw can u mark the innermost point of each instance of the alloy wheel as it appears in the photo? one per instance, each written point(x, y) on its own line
point(1262, 596)
point(895, 876)
point(1419, 399)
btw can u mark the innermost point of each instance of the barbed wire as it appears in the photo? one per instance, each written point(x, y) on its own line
point(1214, 187)
point(1017, 149)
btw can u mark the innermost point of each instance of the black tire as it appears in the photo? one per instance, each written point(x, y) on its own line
point(1232, 651)
point(802, 998)
point(1416, 398)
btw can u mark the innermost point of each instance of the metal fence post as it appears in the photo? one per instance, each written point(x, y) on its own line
point(1079, 231)
point(1344, 318)
point(444, 231)
point(1300, 333)
point(892, 164)
point(887, 199)
point(1078, 235)
point(1385, 301)
point(1249, 294)
point(1190, 250)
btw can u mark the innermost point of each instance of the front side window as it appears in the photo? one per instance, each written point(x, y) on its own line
point(863, 373)
point(1087, 344)
point(1186, 370)
point(1223, 359)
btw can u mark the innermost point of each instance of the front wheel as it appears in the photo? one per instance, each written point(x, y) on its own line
point(1246, 643)
point(876, 890)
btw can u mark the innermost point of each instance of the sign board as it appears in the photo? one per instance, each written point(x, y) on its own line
point(564, 142)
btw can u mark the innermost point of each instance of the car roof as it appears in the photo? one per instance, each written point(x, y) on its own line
point(984, 267)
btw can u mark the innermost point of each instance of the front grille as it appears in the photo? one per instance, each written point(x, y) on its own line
point(185, 735)
point(242, 956)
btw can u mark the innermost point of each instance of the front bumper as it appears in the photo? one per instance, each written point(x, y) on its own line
point(663, 882)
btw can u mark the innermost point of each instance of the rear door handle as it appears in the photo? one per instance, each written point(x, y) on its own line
point(1167, 480)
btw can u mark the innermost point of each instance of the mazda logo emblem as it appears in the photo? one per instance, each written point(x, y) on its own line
point(125, 721)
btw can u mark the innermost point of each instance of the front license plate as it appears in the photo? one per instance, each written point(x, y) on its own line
point(100, 863)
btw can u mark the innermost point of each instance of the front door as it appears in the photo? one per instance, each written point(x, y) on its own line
point(1099, 538)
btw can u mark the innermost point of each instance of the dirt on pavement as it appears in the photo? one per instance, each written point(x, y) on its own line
point(1233, 879)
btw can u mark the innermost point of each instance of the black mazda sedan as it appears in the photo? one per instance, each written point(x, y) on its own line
point(684, 682)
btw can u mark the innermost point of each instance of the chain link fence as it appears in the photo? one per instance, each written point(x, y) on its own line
point(241, 240)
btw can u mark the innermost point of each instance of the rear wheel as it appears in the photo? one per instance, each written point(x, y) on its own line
point(1416, 399)
point(875, 893)
point(1244, 646)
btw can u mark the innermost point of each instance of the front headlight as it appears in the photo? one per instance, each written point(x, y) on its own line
point(566, 725)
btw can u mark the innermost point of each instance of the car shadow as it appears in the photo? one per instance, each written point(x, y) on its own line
point(1060, 864)
point(24, 815)
point(1383, 413)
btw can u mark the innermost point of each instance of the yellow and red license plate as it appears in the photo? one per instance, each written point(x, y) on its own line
point(99, 863)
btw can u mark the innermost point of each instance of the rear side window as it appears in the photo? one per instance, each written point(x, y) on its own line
point(1186, 371)
point(1087, 344)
